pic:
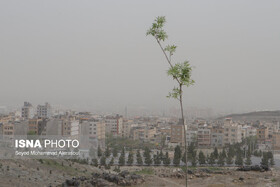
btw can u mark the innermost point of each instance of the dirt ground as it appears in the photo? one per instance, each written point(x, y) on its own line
point(253, 179)
point(29, 173)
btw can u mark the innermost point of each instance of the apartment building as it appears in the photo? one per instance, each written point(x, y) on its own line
point(53, 127)
point(276, 140)
point(232, 132)
point(204, 137)
point(126, 128)
point(114, 125)
point(37, 125)
point(144, 134)
point(1, 129)
point(70, 127)
point(262, 134)
point(8, 130)
point(248, 131)
point(165, 131)
point(191, 136)
point(177, 134)
point(217, 137)
point(44, 111)
point(95, 130)
point(27, 111)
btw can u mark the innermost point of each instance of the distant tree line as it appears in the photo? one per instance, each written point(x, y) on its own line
point(238, 154)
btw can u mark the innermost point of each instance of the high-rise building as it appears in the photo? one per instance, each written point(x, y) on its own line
point(262, 134)
point(114, 125)
point(191, 136)
point(44, 111)
point(8, 130)
point(37, 126)
point(204, 137)
point(217, 137)
point(70, 127)
point(95, 130)
point(232, 132)
point(177, 133)
point(27, 111)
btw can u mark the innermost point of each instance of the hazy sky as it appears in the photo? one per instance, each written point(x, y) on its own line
point(94, 54)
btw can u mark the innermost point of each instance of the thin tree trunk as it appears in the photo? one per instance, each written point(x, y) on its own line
point(185, 137)
point(181, 105)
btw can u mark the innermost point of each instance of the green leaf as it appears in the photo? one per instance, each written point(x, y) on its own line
point(157, 29)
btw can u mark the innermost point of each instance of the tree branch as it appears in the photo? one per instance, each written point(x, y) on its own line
point(168, 60)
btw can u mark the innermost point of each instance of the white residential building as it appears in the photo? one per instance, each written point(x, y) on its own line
point(191, 137)
point(232, 132)
point(70, 127)
point(95, 130)
point(204, 137)
point(217, 137)
point(44, 111)
point(27, 111)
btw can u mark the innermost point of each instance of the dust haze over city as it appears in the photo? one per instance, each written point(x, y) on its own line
point(139, 93)
point(94, 55)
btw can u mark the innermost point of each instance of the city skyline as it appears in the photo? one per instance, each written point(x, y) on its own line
point(71, 58)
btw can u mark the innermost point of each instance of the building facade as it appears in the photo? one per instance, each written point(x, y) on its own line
point(177, 134)
point(27, 111)
point(44, 111)
point(204, 137)
point(114, 125)
point(232, 133)
point(217, 137)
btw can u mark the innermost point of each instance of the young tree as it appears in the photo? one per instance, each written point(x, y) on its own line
point(161, 157)
point(256, 153)
point(191, 149)
point(115, 152)
point(157, 160)
point(224, 153)
point(231, 151)
point(269, 155)
point(184, 157)
point(212, 159)
point(99, 151)
point(207, 159)
point(177, 156)
point(147, 156)
point(94, 162)
point(139, 158)
point(216, 154)
point(166, 160)
point(107, 151)
point(112, 161)
point(122, 158)
point(130, 158)
point(103, 161)
point(271, 161)
point(194, 159)
point(221, 160)
point(264, 161)
point(148, 160)
point(248, 161)
point(178, 152)
point(260, 153)
point(229, 160)
point(147, 152)
point(239, 159)
point(180, 72)
point(201, 158)
point(91, 152)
